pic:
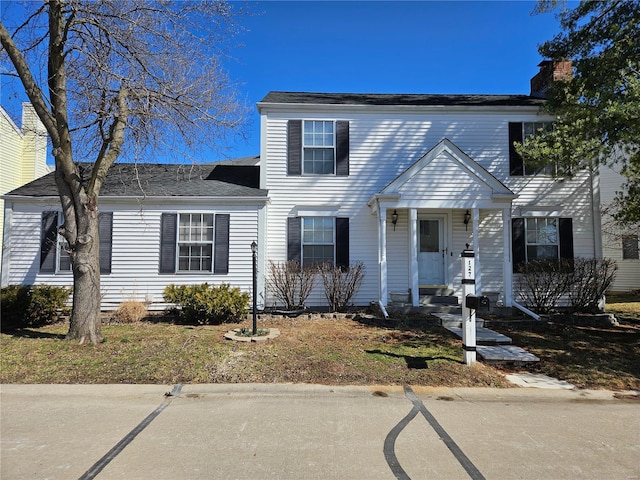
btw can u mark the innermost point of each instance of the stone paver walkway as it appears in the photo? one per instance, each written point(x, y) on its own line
point(537, 380)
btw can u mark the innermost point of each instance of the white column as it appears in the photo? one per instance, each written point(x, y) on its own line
point(507, 266)
point(413, 257)
point(382, 254)
point(475, 215)
point(468, 314)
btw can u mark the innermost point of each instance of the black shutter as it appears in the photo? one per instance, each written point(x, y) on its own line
point(294, 147)
point(294, 239)
point(565, 232)
point(168, 226)
point(221, 244)
point(105, 229)
point(342, 148)
point(48, 242)
point(516, 165)
point(518, 243)
point(342, 243)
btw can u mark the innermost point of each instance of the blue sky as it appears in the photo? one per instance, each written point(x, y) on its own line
point(382, 47)
point(387, 47)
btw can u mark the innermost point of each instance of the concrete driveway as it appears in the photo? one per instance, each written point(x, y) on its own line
point(315, 432)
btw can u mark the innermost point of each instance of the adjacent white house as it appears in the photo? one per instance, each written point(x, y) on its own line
point(159, 224)
point(620, 245)
point(402, 183)
point(23, 153)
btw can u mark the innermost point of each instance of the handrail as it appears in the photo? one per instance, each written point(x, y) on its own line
point(384, 310)
point(526, 310)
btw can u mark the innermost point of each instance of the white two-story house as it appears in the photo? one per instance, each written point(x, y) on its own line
point(401, 183)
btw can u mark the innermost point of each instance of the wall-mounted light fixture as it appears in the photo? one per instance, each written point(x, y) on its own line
point(394, 219)
point(467, 219)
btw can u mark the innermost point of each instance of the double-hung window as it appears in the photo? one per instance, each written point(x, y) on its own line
point(518, 133)
point(530, 130)
point(542, 238)
point(54, 249)
point(630, 247)
point(318, 241)
point(195, 242)
point(537, 238)
point(318, 145)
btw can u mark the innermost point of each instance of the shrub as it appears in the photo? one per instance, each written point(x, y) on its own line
point(583, 281)
point(130, 312)
point(33, 306)
point(290, 284)
point(13, 302)
point(543, 282)
point(206, 304)
point(591, 278)
point(340, 285)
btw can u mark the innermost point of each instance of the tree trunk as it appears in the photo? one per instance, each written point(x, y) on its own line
point(85, 324)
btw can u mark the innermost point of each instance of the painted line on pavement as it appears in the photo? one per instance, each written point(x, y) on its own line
point(115, 451)
point(418, 407)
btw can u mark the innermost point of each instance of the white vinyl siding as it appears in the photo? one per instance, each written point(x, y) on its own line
point(383, 144)
point(628, 273)
point(135, 252)
point(23, 152)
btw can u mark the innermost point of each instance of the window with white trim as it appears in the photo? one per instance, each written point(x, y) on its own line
point(533, 129)
point(536, 238)
point(318, 145)
point(318, 241)
point(630, 247)
point(54, 249)
point(195, 242)
point(542, 238)
point(64, 260)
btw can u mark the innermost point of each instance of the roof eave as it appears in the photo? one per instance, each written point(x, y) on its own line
point(263, 107)
point(240, 199)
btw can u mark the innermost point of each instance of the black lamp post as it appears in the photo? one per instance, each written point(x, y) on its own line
point(254, 254)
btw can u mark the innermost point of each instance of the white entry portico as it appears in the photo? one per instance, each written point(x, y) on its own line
point(432, 211)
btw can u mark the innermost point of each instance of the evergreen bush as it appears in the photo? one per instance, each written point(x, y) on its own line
point(33, 305)
point(206, 304)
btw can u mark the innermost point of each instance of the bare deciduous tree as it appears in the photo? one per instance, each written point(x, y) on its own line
point(119, 79)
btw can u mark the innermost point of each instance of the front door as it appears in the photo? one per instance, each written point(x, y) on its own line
point(431, 251)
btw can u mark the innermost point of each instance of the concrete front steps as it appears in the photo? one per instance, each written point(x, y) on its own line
point(492, 347)
point(432, 300)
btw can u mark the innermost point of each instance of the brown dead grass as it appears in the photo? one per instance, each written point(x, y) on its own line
point(321, 350)
point(588, 357)
point(332, 351)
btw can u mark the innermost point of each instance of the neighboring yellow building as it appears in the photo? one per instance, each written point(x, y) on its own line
point(23, 153)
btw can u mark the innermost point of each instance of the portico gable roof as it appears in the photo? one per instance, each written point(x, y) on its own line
point(445, 177)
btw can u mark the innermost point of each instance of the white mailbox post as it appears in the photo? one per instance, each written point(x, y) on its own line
point(468, 314)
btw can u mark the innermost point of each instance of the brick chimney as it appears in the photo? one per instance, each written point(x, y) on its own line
point(550, 71)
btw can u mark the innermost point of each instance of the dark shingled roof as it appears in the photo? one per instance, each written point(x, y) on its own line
point(400, 99)
point(166, 180)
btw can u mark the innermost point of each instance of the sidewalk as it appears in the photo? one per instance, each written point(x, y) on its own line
point(256, 431)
